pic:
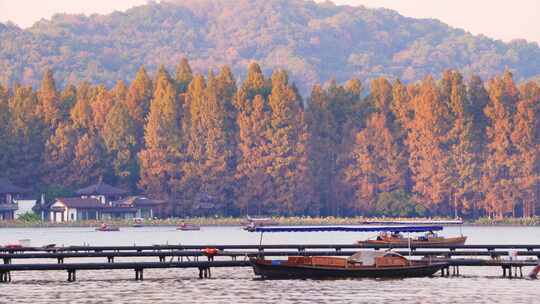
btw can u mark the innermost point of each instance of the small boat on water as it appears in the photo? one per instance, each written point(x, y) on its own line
point(138, 222)
point(188, 227)
point(363, 264)
point(106, 228)
point(251, 223)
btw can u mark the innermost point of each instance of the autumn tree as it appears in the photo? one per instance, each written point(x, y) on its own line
point(60, 157)
point(253, 191)
point(25, 136)
point(255, 82)
point(464, 166)
point(159, 158)
point(81, 114)
point(137, 102)
point(119, 136)
point(290, 171)
point(428, 160)
point(88, 165)
point(4, 129)
point(498, 186)
point(323, 147)
point(378, 163)
point(525, 137)
point(101, 105)
point(50, 107)
point(184, 75)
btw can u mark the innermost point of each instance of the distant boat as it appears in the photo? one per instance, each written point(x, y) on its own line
point(188, 227)
point(105, 228)
point(251, 223)
point(138, 222)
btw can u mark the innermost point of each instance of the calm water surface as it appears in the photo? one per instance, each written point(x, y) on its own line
point(476, 285)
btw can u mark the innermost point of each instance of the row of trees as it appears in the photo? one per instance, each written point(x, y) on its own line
point(435, 147)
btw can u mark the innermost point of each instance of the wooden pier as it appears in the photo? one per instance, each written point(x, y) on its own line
point(197, 257)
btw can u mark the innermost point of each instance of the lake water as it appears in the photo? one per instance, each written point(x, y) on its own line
point(475, 285)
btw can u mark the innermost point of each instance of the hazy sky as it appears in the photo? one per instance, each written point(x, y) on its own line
point(501, 19)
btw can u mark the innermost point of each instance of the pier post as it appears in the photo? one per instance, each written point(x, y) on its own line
point(72, 276)
point(110, 259)
point(139, 274)
point(5, 277)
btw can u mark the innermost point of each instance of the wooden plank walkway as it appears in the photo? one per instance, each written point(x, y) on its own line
point(193, 256)
point(300, 247)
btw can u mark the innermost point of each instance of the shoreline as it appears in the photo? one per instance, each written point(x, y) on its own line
point(285, 221)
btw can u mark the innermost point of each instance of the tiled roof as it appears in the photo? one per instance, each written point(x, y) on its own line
point(77, 202)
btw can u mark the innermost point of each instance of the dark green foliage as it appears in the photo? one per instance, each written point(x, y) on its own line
point(30, 217)
point(397, 204)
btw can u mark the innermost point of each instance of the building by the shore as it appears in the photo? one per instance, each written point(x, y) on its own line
point(103, 202)
point(8, 193)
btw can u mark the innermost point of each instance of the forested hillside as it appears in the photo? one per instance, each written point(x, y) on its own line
point(454, 146)
point(315, 42)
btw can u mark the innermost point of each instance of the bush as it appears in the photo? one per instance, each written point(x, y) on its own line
point(397, 204)
point(30, 217)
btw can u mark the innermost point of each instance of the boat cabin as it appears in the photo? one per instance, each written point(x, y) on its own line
point(378, 259)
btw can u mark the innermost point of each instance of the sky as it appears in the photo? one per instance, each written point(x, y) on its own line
point(499, 19)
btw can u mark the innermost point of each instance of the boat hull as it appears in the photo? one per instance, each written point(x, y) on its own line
point(282, 270)
point(107, 229)
point(455, 241)
point(189, 228)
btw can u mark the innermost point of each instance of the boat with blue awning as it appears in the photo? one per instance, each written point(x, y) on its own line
point(429, 238)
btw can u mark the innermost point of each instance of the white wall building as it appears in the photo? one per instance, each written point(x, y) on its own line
point(25, 206)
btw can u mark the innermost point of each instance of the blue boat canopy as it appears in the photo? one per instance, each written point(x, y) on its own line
point(396, 229)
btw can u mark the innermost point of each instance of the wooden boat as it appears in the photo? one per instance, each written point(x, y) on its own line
point(106, 228)
point(188, 227)
point(138, 223)
point(251, 223)
point(429, 239)
point(364, 264)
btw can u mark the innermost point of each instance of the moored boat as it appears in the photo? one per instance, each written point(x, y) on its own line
point(429, 239)
point(364, 264)
point(138, 222)
point(188, 227)
point(251, 223)
point(105, 228)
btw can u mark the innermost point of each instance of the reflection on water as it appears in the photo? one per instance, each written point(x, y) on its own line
point(476, 285)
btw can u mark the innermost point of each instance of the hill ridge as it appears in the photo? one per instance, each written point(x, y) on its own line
point(314, 41)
